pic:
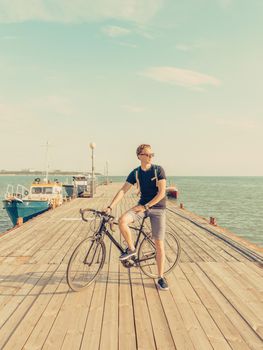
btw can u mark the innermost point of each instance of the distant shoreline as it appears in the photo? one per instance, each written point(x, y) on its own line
point(98, 174)
point(41, 174)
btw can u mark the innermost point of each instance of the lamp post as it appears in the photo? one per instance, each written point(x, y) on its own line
point(107, 172)
point(92, 146)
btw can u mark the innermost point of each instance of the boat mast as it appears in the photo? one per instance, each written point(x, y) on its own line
point(47, 164)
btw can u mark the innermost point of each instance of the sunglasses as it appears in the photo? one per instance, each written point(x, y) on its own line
point(149, 155)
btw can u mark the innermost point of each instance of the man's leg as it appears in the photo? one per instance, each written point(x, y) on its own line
point(158, 224)
point(160, 256)
point(124, 222)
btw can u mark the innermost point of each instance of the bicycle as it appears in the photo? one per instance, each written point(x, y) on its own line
point(88, 257)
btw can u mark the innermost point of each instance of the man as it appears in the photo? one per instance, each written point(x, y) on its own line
point(151, 183)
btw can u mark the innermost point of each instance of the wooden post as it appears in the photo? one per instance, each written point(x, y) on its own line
point(182, 205)
point(213, 221)
point(19, 221)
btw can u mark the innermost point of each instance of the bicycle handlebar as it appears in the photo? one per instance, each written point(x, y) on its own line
point(108, 218)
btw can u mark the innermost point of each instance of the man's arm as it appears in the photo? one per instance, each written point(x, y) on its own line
point(160, 195)
point(125, 188)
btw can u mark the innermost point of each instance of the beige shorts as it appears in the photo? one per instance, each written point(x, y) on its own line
point(157, 218)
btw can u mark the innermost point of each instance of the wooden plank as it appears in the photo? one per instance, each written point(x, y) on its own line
point(177, 327)
point(10, 306)
point(127, 337)
point(127, 332)
point(216, 248)
point(250, 337)
point(198, 253)
point(12, 282)
point(23, 304)
point(254, 266)
point(220, 231)
point(252, 282)
point(207, 323)
point(142, 320)
point(216, 274)
point(240, 289)
point(161, 329)
point(202, 249)
point(21, 235)
point(92, 331)
point(144, 332)
point(188, 253)
point(63, 336)
point(27, 324)
point(43, 326)
point(254, 271)
point(206, 291)
point(109, 331)
point(75, 326)
point(192, 325)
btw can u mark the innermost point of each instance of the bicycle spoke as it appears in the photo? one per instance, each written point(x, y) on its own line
point(85, 263)
point(147, 253)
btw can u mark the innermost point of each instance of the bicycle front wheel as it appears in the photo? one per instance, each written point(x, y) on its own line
point(147, 255)
point(85, 263)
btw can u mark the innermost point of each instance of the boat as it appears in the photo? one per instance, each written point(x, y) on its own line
point(82, 185)
point(26, 203)
point(172, 192)
point(69, 190)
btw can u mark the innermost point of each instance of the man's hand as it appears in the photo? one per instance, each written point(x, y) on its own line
point(138, 209)
point(107, 210)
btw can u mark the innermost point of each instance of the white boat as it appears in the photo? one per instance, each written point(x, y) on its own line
point(25, 204)
point(82, 185)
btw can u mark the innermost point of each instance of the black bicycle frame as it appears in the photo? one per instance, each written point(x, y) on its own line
point(117, 244)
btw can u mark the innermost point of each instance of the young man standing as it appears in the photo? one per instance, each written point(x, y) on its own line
point(151, 183)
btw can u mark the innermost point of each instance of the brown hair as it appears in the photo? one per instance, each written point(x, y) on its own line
point(141, 148)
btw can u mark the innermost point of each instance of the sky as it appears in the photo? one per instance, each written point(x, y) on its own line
point(183, 76)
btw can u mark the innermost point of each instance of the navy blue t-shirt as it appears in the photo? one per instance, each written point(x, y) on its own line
point(148, 184)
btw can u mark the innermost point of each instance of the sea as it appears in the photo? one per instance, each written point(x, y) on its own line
point(235, 202)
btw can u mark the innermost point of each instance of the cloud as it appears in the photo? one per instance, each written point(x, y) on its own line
point(181, 77)
point(114, 31)
point(133, 109)
point(78, 10)
point(200, 44)
point(31, 111)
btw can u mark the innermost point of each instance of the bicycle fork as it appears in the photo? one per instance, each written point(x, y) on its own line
point(94, 254)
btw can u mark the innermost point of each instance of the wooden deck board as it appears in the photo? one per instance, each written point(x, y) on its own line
point(216, 250)
point(202, 288)
point(214, 301)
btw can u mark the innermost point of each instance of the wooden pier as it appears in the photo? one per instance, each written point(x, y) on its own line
point(214, 301)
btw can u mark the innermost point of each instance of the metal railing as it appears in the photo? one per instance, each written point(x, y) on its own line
point(21, 191)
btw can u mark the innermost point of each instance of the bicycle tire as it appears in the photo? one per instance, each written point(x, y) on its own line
point(146, 255)
point(89, 248)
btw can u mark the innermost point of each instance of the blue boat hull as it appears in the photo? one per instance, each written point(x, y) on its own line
point(69, 189)
point(26, 209)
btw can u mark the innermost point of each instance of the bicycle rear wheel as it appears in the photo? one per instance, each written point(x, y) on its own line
point(147, 255)
point(85, 263)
